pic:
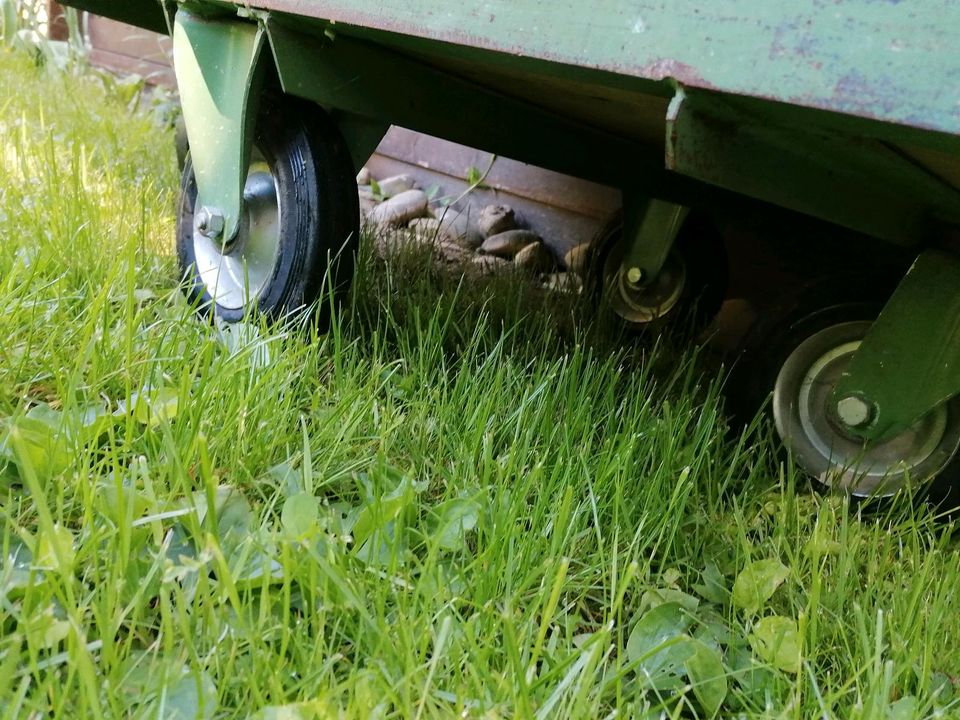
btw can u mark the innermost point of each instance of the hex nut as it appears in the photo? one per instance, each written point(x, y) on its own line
point(209, 222)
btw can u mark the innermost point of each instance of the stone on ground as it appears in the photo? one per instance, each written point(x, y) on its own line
point(535, 258)
point(508, 244)
point(395, 185)
point(426, 227)
point(576, 257)
point(565, 282)
point(367, 201)
point(400, 209)
point(458, 227)
point(489, 264)
point(495, 219)
point(453, 254)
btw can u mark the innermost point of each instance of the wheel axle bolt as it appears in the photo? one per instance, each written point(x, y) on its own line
point(209, 222)
point(854, 411)
point(635, 276)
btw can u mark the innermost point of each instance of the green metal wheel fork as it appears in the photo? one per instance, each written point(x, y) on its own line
point(650, 228)
point(909, 363)
point(221, 62)
point(219, 74)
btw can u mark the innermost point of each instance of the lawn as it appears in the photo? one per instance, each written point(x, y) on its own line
point(466, 499)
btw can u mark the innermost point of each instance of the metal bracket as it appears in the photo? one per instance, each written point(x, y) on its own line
point(649, 230)
point(219, 74)
point(909, 363)
point(361, 134)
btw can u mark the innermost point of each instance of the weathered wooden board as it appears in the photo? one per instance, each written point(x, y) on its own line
point(126, 49)
point(566, 211)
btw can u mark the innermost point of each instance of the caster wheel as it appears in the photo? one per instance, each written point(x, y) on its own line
point(794, 361)
point(811, 430)
point(691, 285)
point(300, 225)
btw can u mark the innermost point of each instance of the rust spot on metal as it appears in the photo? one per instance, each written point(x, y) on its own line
point(670, 69)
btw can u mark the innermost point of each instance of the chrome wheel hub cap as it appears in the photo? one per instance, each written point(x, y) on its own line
point(236, 271)
point(807, 421)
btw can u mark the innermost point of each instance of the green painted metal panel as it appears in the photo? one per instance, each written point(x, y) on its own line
point(362, 136)
point(909, 363)
point(887, 60)
point(860, 183)
point(217, 63)
point(890, 61)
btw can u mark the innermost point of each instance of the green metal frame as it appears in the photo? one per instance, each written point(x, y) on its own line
point(884, 62)
point(370, 81)
point(909, 363)
point(362, 135)
point(772, 102)
point(219, 73)
point(862, 184)
point(887, 65)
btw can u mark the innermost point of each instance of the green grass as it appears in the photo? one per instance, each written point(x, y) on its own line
point(465, 500)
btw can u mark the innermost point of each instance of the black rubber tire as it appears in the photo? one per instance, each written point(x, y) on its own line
point(319, 229)
point(782, 328)
point(701, 247)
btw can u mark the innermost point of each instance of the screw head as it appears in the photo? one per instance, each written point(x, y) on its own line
point(209, 222)
point(854, 411)
point(635, 275)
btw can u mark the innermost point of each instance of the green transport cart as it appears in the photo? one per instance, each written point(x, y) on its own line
point(844, 112)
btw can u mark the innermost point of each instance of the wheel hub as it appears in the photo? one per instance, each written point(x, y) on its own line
point(811, 427)
point(854, 411)
point(642, 303)
point(236, 270)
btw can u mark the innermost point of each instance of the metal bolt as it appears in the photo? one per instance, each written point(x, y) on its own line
point(635, 275)
point(854, 411)
point(209, 222)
